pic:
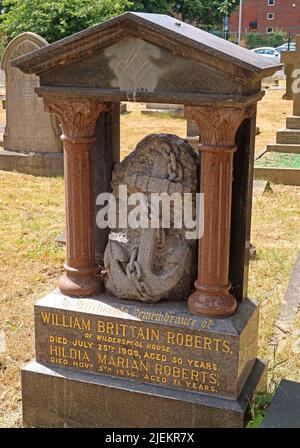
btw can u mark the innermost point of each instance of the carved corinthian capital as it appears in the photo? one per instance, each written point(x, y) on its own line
point(217, 125)
point(78, 117)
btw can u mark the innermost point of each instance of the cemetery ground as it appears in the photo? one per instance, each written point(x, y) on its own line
point(32, 216)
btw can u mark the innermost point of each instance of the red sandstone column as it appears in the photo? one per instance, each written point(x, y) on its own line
point(217, 127)
point(78, 118)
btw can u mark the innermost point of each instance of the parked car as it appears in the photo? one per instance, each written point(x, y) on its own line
point(285, 47)
point(268, 52)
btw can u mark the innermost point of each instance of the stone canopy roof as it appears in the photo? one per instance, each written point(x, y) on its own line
point(169, 32)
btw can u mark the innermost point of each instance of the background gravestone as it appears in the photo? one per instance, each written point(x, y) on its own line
point(291, 62)
point(31, 139)
point(175, 110)
point(288, 138)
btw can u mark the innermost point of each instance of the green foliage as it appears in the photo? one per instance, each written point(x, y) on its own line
point(2, 42)
point(55, 19)
point(154, 6)
point(277, 38)
point(258, 409)
point(255, 40)
point(209, 14)
point(262, 400)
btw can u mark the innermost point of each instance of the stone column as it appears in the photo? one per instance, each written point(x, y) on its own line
point(78, 118)
point(217, 127)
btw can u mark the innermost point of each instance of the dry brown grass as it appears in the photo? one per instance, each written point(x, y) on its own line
point(135, 126)
point(271, 115)
point(275, 234)
point(32, 215)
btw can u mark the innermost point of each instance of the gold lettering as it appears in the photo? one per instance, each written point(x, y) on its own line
point(217, 341)
point(226, 346)
point(101, 326)
point(46, 318)
point(213, 378)
point(207, 343)
point(170, 337)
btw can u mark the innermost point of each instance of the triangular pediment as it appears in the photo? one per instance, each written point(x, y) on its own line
point(178, 37)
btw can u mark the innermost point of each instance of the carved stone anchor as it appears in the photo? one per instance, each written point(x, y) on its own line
point(150, 287)
point(152, 264)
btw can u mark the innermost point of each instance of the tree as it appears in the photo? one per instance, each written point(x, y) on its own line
point(55, 19)
point(154, 6)
point(209, 14)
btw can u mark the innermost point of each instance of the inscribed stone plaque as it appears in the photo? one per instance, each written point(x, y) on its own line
point(148, 344)
point(293, 122)
point(28, 126)
point(286, 136)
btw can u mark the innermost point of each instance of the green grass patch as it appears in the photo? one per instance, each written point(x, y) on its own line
point(258, 409)
point(279, 160)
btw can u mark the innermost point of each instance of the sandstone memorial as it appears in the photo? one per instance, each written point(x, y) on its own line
point(32, 137)
point(288, 138)
point(148, 328)
point(291, 62)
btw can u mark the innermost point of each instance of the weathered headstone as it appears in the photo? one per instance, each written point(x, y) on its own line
point(32, 137)
point(172, 363)
point(288, 138)
point(153, 109)
point(291, 60)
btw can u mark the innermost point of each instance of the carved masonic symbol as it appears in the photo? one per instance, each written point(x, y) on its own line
point(135, 67)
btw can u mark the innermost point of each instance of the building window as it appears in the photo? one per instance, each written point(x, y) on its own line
point(271, 2)
point(270, 16)
point(269, 29)
point(253, 25)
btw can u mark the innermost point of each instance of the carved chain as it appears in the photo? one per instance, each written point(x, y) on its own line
point(134, 273)
point(133, 269)
point(174, 167)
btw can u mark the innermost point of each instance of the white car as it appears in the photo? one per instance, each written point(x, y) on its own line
point(267, 52)
point(285, 47)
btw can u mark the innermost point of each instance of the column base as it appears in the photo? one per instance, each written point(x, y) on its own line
point(212, 303)
point(80, 283)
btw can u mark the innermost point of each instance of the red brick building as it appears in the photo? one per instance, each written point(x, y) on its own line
point(265, 16)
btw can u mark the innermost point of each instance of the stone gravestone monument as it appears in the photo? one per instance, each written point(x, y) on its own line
point(288, 138)
point(32, 137)
point(104, 355)
point(291, 61)
point(174, 110)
